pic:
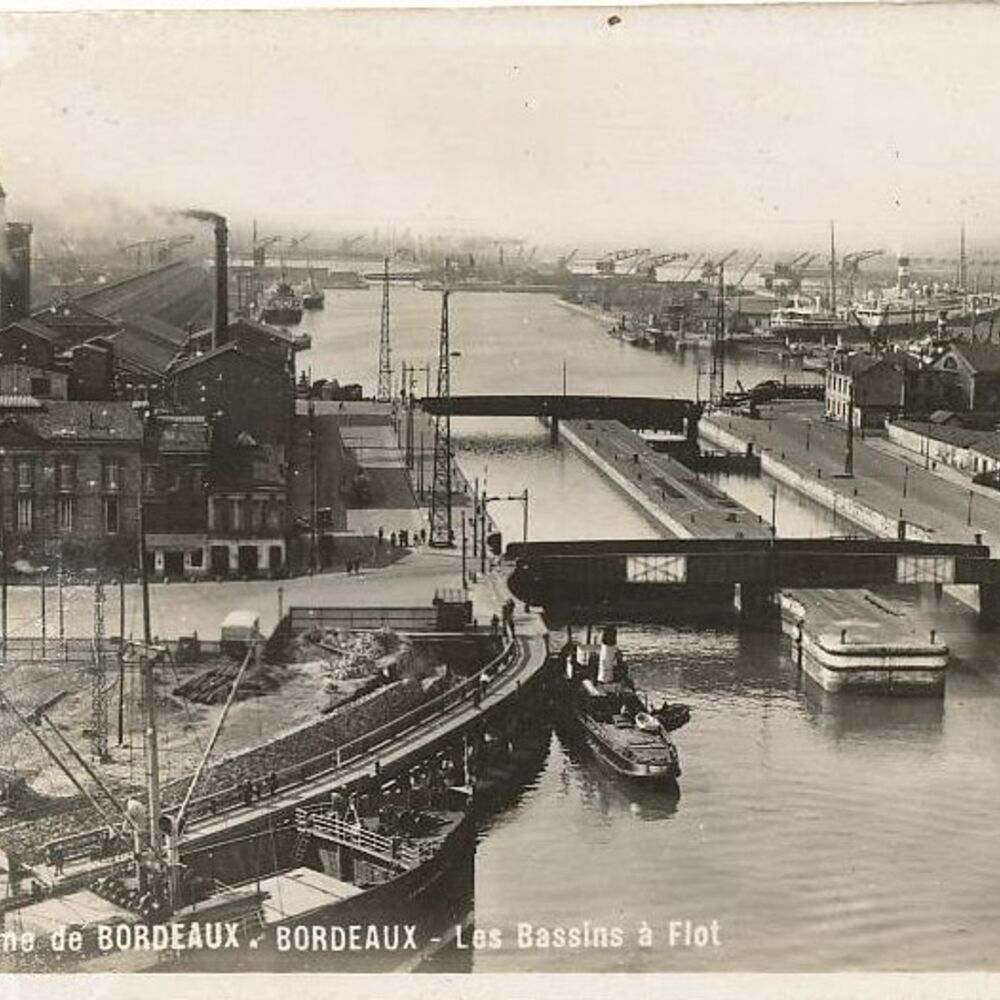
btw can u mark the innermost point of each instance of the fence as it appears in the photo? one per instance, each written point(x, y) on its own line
point(398, 619)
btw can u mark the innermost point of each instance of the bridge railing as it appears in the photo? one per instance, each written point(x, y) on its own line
point(233, 797)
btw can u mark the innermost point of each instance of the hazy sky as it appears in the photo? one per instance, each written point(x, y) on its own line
point(675, 127)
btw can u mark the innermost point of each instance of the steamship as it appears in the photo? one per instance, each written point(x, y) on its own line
point(281, 305)
point(613, 718)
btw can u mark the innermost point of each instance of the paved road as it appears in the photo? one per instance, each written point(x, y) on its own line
point(183, 608)
point(800, 436)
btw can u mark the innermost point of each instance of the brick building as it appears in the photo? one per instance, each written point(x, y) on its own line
point(69, 483)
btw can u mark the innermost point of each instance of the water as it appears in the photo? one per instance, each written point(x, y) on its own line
point(822, 833)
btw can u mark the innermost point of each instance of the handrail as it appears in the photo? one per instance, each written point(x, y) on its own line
point(228, 799)
point(314, 766)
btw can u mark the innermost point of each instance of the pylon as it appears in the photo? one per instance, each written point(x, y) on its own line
point(98, 686)
point(384, 347)
point(441, 528)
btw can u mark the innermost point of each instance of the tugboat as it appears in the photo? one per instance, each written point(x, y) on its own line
point(614, 718)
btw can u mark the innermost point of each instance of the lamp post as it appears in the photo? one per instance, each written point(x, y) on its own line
point(968, 516)
point(774, 512)
point(906, 476)
point(809, 425)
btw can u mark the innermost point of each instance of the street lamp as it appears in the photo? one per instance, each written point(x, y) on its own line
point(906, 476)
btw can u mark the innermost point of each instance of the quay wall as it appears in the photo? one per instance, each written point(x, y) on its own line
point(849, 507)
point(671, 525)
point(852, 509)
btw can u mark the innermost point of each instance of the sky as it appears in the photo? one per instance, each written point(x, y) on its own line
point(674, 128)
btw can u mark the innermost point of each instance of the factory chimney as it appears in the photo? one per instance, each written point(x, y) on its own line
point(221, 304)
point(221, 317)
point(15, 267)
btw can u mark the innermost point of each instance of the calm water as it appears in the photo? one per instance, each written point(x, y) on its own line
point(823, 833)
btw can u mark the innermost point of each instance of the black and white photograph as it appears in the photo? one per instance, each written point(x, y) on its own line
point(500, 491)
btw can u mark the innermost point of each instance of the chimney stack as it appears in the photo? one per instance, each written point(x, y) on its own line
point(15, 267)
point(221, 281)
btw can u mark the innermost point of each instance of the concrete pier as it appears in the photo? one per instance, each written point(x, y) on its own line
point(686, 506)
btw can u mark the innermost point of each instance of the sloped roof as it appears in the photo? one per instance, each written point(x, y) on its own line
point(33, 327)
point(230, 347)
point(90, 421)
point(980, 357)
point(154, 327)
point(960, 437)
point(135, 346)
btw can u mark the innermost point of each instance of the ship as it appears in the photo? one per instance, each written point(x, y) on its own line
point(803, 320)
point(615, 719)
point(281, 305)
point(372, 862)
point(382, 852)
point(312, 295)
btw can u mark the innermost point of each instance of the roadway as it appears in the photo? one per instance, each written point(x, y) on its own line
point(886, 478)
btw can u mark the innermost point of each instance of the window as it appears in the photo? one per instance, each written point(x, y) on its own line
point(66, 475)
point(25, 513)
point(235, 515)
point(25, 474)
point(111, 515)
point(67, 512)
point(112, 476)
point(196, 558)
point(150, 478)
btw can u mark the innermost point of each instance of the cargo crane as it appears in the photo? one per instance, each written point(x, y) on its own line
point(850, 268)
point(712, 267)
point(717, 382)
point(260, 249)
point(790, 273)
point(563, 263)
point(609, 262)
point(648, 265)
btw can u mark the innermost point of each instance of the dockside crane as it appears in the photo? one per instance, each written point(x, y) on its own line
point(850, 268)
point(648, 265)
point(608, 264)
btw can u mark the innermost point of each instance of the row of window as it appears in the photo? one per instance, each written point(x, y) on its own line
point(838, 383)
point(25, 475)
point(27, 507)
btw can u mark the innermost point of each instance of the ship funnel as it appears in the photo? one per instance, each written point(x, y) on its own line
point(608, 658)
point(902, 273)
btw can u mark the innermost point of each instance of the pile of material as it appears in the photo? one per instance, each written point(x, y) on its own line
point(352, 655)
point(211, 686)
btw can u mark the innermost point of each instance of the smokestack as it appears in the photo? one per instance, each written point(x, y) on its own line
point(221, 281)
point(221, 305)
point(15, 267)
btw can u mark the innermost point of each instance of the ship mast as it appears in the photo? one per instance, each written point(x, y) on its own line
point(833, 272)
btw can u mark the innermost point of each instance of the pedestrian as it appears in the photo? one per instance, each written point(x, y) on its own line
point(423, 536)
point(247, 789)
point(392, 540)
point(381, 535)
point(494, 625)
point(57, 859)
point(347, 566)
point(272, 783)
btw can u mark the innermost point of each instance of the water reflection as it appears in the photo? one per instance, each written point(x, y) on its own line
point(915, 718)
point(608, 794)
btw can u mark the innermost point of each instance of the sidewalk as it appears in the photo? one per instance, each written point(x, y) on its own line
point(885, 478)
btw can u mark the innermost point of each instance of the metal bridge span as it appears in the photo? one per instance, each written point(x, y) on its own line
point(707, 570)
point(639, 412)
